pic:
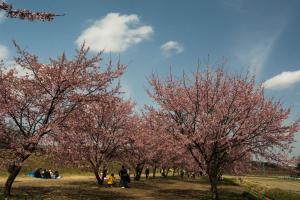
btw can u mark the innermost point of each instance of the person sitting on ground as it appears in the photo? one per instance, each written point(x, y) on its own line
point(56, 174)
point(46, 174)
point(37, 173)
point(111, 180)
point(43, 173)
point(52, 176)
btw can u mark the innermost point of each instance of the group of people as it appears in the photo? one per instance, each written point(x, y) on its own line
point(44, 173)
point(124, 178)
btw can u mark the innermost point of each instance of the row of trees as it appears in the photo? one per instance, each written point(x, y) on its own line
point(209, 122)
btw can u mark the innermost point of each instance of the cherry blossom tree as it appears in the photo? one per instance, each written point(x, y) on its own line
point(223, 120)
point(97, 137)
point(147, 145)
point(26, 14)
point(134, 151)
point(162, 150)
point(34, 105)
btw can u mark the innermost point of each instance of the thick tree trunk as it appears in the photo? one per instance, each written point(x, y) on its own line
point(96, 172)
point(214, 183)
point(154, 171)
point(163, 173)
point(138, 171)
point(104, 173)
point(13, 173)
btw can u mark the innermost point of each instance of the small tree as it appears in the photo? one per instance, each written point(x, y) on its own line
point(97, 137)
point(223, 120)
point(38, 103)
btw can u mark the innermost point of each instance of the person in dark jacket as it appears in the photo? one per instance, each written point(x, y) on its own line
point(124, 177)
point(37, 173)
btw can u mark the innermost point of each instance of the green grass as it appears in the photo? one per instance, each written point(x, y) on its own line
point(270, 187)
point(278, 194)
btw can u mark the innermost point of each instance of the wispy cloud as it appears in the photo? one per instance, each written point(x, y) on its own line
point(3, 52)
point(115, 33)
point(171, 47)
point(283, 80)
point(256, 54)
point(253, 51)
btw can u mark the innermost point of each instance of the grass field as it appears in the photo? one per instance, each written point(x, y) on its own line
point(274, 188)
point(85, 187)
point(275, 182)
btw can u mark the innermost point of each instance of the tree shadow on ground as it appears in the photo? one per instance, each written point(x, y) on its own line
point(76, 193)
point(158, 180)
point(142, 184)
point(201, 180)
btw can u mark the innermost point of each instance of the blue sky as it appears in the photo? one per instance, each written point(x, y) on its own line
point(150, 36)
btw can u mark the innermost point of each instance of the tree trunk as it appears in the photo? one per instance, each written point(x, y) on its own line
point(13, 173)
point(163, 173)
point(104, 173)
point(154, 171)
point(174, 171)
point(96, 172)
point(167, 173)
point(214, 190)
point(138, 171)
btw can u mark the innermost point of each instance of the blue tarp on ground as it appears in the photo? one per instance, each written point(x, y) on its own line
point(31, 174)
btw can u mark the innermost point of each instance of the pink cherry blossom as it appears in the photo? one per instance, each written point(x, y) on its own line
point(222, 120)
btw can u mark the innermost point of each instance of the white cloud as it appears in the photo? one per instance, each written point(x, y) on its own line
point(282, 80)
point(9, 63)
point(115, 33)
point(171, 47)
point(3, 52)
